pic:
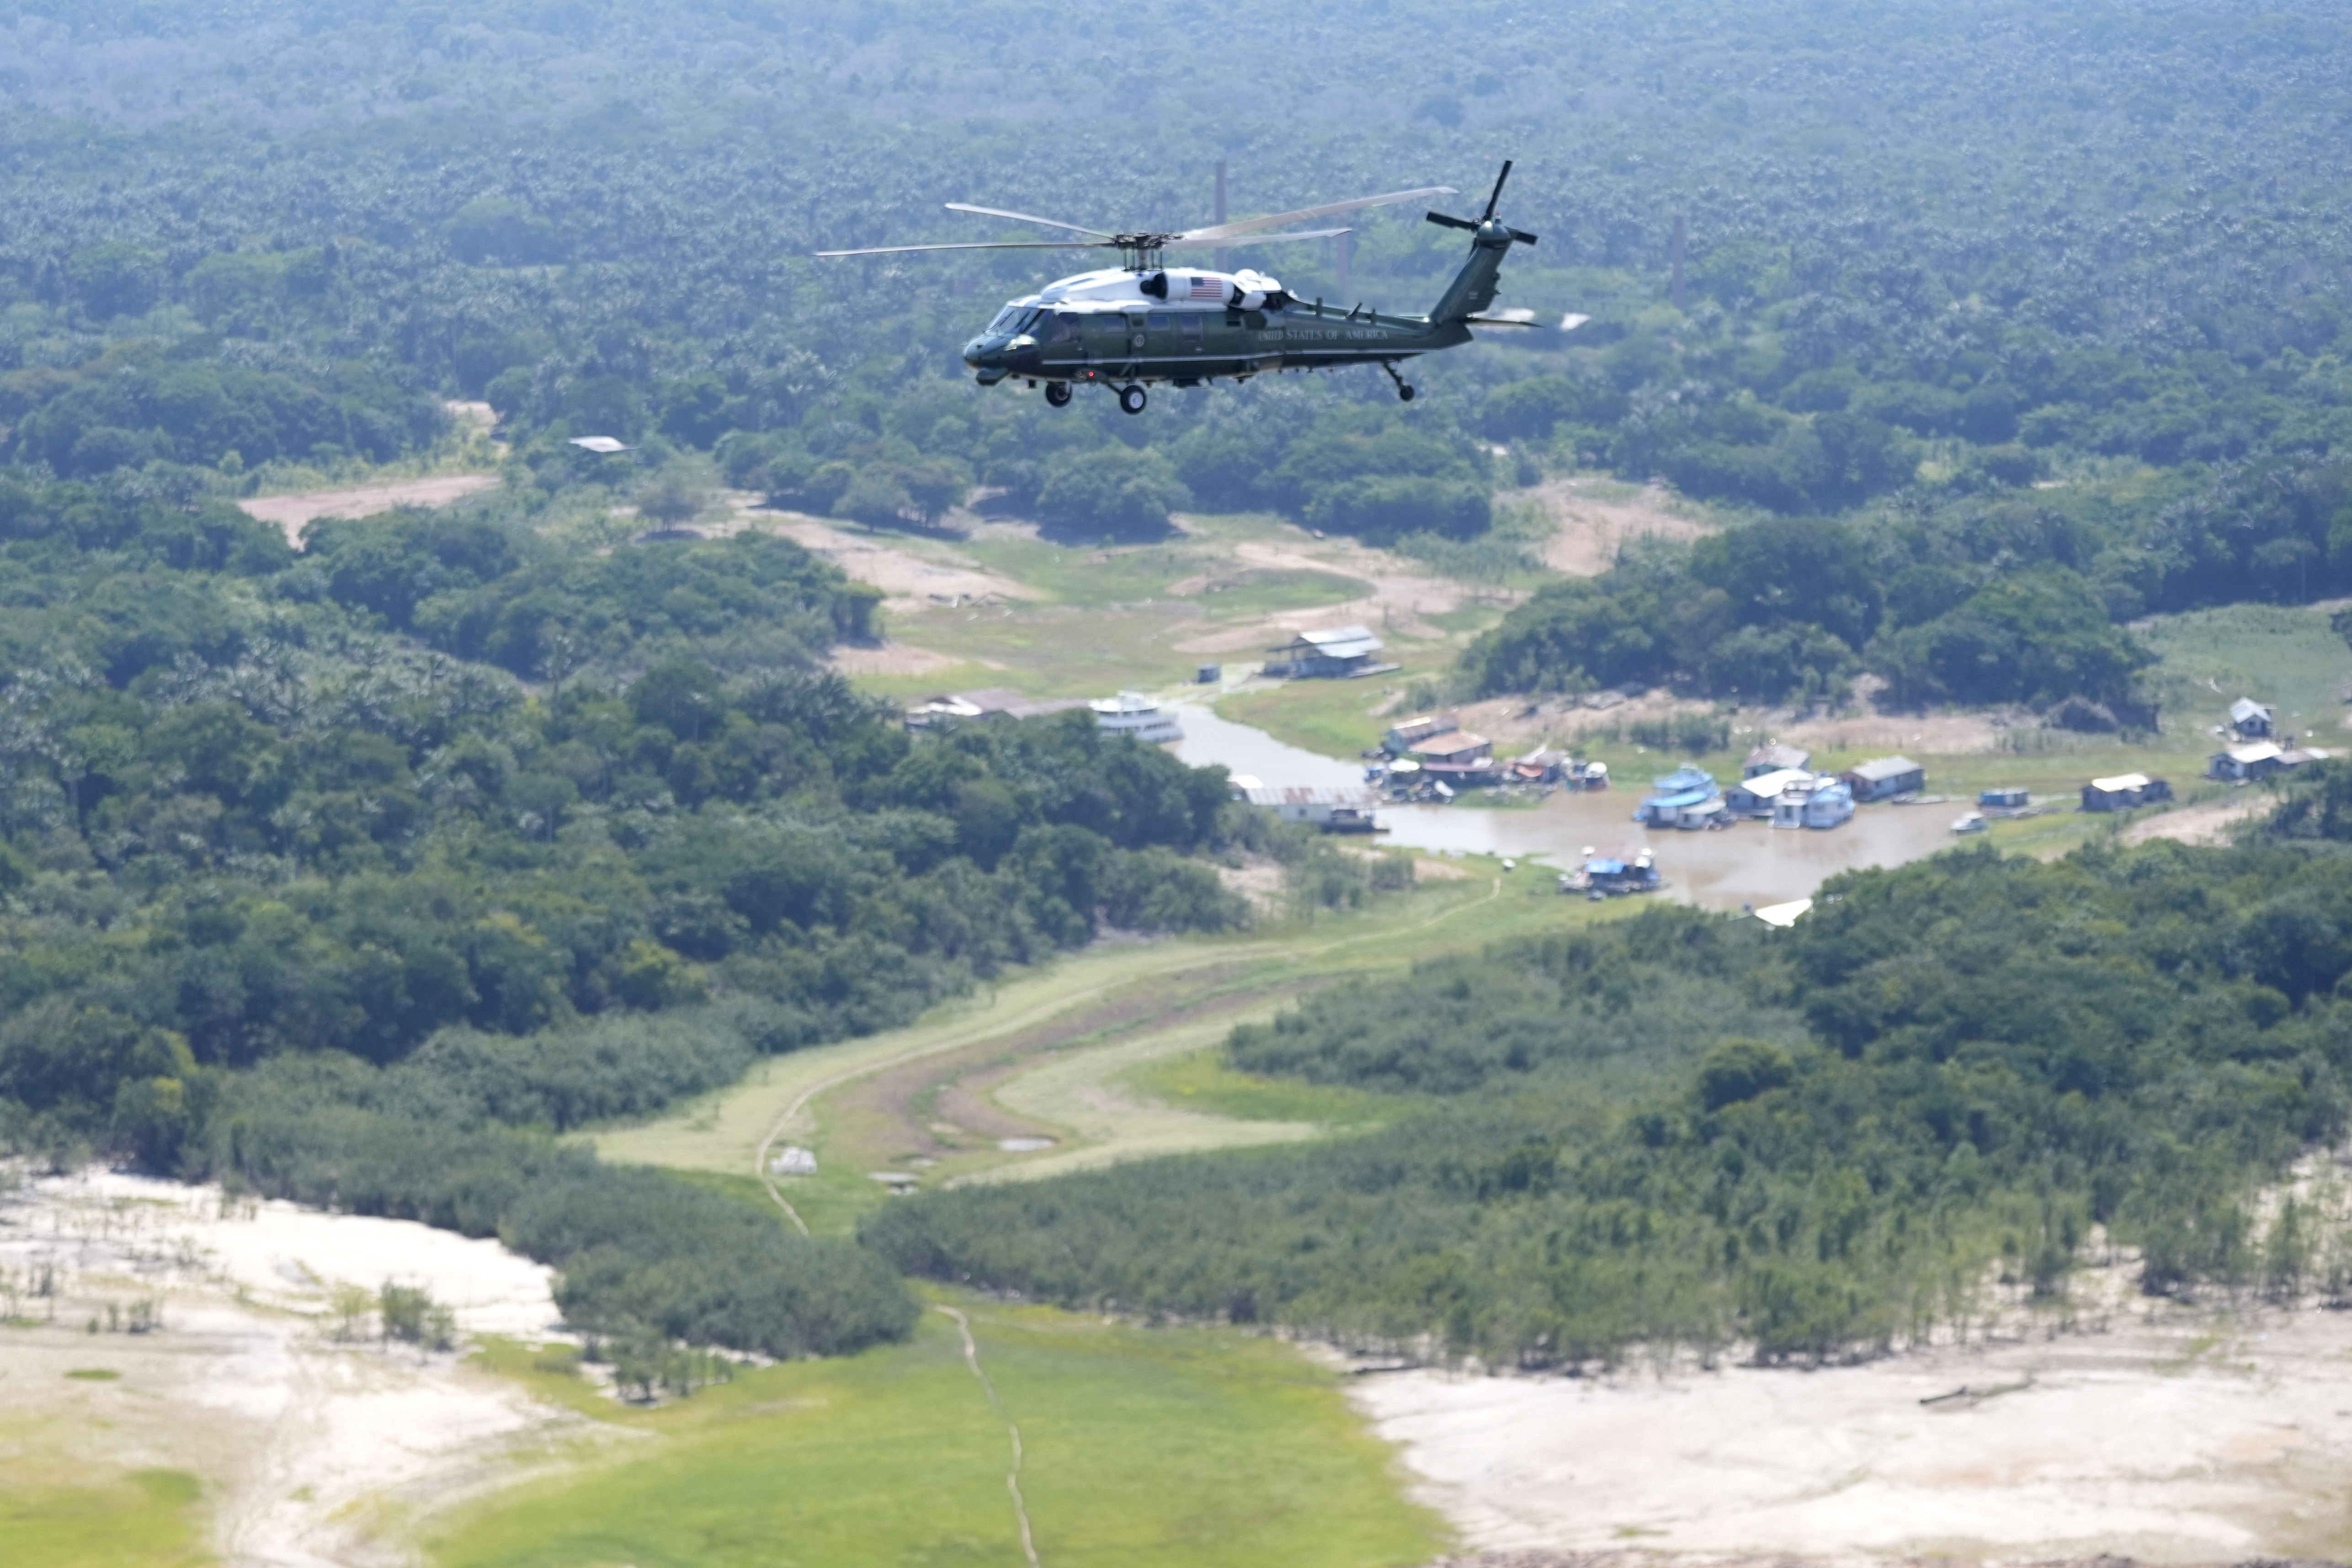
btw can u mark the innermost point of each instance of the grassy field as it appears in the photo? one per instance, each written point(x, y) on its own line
point(149, 1518)
point(1192, 1448)
point(1203, 1081)
point(2284, 656)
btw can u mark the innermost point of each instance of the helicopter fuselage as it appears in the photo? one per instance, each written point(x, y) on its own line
point(1187, 325)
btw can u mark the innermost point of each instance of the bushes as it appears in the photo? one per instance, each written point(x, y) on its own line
point(1684, 1130)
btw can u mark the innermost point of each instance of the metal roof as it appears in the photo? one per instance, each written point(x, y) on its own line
point(1314, 795)
point(1882, 767)
point(1335, 643)
point(2121, 782)
point(2245, 708)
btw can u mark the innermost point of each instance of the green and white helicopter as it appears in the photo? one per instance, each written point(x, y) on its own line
point(1141, 323)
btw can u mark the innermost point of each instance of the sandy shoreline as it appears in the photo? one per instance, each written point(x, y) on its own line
point(305, 1445)
point(2173, 1436)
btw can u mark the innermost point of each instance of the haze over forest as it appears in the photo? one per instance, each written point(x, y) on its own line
point(384, 863)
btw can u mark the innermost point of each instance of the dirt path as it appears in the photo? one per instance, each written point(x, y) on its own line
point(1012, 1477)
point(291, 513)
point(2208, 822)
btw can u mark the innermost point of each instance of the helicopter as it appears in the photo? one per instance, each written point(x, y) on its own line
point(1142, 323)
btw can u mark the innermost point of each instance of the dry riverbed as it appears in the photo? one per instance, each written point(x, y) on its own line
point(307, 1447)
point(2173, 1434)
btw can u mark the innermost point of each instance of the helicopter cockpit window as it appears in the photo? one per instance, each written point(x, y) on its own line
point(1005, 318)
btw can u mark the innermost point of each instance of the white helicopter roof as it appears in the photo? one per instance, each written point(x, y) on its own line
point(1189, 288)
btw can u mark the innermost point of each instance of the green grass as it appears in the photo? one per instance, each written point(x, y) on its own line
point(1333, 718)
point(2278, 655)
point(1204, 1081)
point(1188, 1448)
point(93, 1375)
point(151, 1518)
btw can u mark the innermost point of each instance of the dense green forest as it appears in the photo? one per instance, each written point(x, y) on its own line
point(299, 885)
point(1696, 1130)
point(2048, 304)
point(354, 871)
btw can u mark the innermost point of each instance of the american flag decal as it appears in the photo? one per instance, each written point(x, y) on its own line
point(1207, 288)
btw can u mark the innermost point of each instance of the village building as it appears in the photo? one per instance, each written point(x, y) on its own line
point(1823, 803)
point(2123, 791)
point(1674, 794)
point(2009, 798)
point(1774, 759)
point(2245, 764)
point(1545, 765)
point(1753, 796)
point(1341, 653)
point(1403, 734)
point(1456, 746)
point(1132, 713)
point(1882, 778)
point(2250, 720)
point(1334, 808)
point(989, 703)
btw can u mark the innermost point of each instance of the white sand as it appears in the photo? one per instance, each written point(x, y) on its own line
point(311, 1451)
point(2163, 1440)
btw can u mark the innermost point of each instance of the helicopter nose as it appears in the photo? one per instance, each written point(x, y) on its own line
point(975, 353)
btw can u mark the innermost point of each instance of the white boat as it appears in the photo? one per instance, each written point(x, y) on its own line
point(1968, 822)
point(1132, 713)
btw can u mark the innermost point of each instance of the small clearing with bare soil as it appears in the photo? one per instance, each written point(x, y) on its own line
point(2208, 822)
point(891, 658)
point(1593, 519)
point(1401, 595)
point(292, 512)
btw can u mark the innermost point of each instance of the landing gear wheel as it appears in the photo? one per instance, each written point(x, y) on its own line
point(1058, 393)
point(1405, 392)
point(1131, 399)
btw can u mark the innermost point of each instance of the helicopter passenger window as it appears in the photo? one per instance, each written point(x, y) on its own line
point(1192, 321)
point(1163, 321)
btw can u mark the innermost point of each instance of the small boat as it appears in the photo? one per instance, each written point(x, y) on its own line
point(1969, 823)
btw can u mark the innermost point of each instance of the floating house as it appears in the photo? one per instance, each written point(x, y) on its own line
point(1132, 713)
point(2250, 720)
point(2245, 764)
point(1404, 736)
point(2009, 798)
point(1774, 760)
point(1611, 876)
point(1823, 803)
point(1885, 776)
point(1333, 808)
point(1753, 796)
point(1679, 791)
point(1335, 653)
point(2123, 791)
point(1456, 746)
point(1545, 765)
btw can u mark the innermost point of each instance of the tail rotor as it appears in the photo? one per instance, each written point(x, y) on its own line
point(1444, 220)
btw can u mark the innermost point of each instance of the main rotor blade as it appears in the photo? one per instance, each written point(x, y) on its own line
point(1498, 196)
point(1182, 243)
point(1025, 218)
point(1250, 225)
point(983, 244)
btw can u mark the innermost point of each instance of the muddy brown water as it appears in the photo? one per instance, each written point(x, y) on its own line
point(1749, 865)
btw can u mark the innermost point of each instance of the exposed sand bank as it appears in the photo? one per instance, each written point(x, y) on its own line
point(305, 1445)
point(2176, 1436)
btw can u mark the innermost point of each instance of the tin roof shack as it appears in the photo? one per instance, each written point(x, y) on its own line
point(1333, 808)
point(1457, 746)
point(2297, 757)
point(2009, 798)
point(2245, 764)
point(1545, 765)
point(1820, 803)
point(1774, 760)
point(2123, 791)
point(1404, 736)
point(1753, 796)
point(1884, 777)
point(1335, 653)
point(993, 702)
point(2250, 720)
point(1676, 792)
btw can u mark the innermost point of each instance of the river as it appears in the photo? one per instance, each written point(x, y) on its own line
point(1752, 864)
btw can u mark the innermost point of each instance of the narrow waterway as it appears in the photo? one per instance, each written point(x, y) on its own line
point(1752, 864)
